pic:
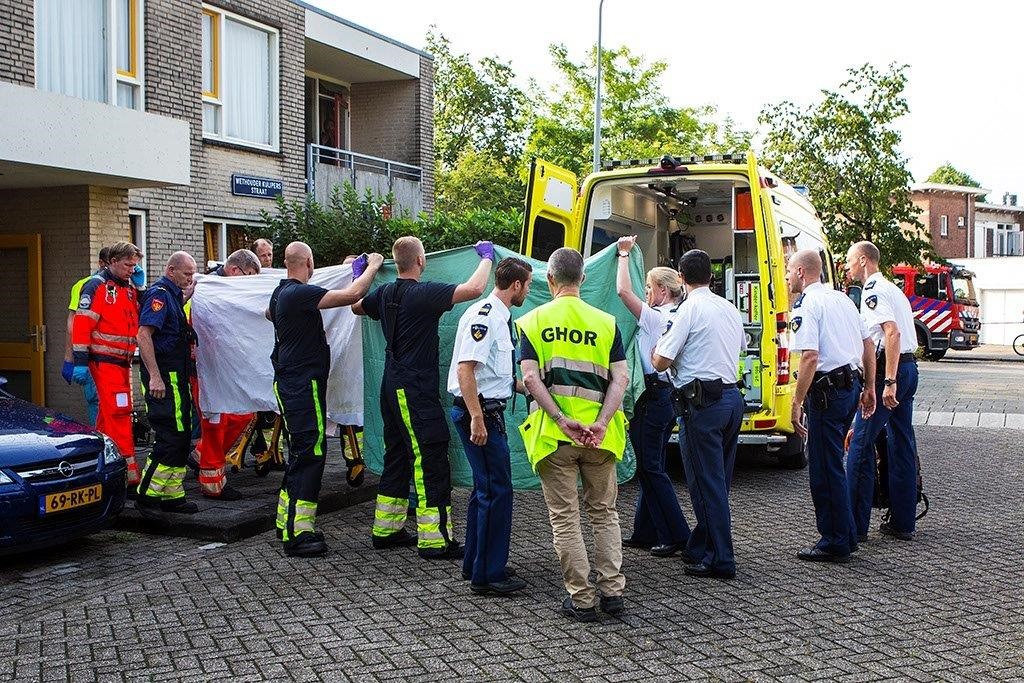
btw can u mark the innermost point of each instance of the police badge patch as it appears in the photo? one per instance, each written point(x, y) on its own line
point(795, 324)
point(871, 301)
point(85, 301)
point(478, 332)
point(484, 310)
point(156, 305)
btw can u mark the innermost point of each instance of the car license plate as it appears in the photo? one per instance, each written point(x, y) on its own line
point(66, 500)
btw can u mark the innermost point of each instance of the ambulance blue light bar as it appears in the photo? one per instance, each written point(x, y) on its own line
point(669, 162)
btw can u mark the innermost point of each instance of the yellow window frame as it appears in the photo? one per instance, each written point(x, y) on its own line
point(215, 19)
point(133, 41)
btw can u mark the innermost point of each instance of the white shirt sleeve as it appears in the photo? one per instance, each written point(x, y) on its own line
point(673, 341)
point(804, 324)
point(651, 321)
point(475, 341)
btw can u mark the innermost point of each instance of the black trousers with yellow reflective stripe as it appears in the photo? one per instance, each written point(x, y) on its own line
point(171, 420)
point(415, 450)
point(303, 403)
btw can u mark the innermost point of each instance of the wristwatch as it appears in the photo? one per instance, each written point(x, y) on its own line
point(888, 382)
point(623, 253)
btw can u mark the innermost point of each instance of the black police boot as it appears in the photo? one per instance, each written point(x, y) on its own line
point(179, 506)
point(399, 539)
point(452, 551)
point(306, 545)
point(569, 609)
point(612, 604)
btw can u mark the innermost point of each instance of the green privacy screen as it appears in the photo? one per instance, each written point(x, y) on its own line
point(456, 266)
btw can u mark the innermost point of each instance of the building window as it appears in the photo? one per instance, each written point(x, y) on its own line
point(221, 238)
point(137, 234)
point(327, 112)
point(240, 81)
point(944, 226)
point(74, 56)
point(1006, 240)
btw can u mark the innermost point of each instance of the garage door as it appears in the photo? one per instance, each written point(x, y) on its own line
point(1002, 315)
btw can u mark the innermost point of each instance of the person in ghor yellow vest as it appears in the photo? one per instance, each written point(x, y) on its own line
point(574, 368)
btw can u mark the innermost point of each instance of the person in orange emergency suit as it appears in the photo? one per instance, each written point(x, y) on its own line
point(103, 342)
point(221, 431)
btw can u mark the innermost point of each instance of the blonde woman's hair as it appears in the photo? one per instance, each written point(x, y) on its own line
point(668, 278)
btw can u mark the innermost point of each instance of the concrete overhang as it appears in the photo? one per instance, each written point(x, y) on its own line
point(955, 189)
point(51, 140)
point(335, 47)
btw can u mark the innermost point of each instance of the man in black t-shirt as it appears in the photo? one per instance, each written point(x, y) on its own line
point(302, 361)
point(415, 430)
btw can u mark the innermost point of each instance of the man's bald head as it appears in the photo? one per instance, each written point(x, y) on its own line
point(407, 252)
point(803, 269)
point(180, 260)
point(296, 253)
point(810, 261)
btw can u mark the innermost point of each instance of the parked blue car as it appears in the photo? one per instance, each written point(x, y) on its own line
point(59, 479)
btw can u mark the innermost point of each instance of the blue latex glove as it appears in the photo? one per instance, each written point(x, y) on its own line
point(138, 277)
point(359, 265)
point(80, 374)
point(67, 371)
point(485, 249)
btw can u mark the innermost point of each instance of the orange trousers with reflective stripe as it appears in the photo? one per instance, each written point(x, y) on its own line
point(216, 439)
point(113, 387)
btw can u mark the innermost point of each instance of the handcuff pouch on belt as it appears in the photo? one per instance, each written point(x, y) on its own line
point(826, 385)
point(653, 381)
point(698, 393)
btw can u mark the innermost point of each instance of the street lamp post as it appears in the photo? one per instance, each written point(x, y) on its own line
point(597, 94)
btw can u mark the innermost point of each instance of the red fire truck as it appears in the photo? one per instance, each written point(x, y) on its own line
point(945, 306)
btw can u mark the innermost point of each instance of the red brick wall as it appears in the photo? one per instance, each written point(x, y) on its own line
point(954, 206)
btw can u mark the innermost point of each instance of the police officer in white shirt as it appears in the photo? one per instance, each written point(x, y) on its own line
point(659, 524)
point(702, 348)
point(886, 313)
point(834, 345)
point(482, 379)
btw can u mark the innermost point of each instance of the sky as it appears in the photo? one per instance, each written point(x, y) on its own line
point(966, 65)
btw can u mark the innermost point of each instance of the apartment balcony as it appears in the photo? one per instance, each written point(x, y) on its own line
point(328, 167)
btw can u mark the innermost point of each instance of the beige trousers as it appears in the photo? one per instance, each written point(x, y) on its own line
point(558, 474)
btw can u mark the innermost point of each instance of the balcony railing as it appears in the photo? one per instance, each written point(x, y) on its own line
point(354, 163)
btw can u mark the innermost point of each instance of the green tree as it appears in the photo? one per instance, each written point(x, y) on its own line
point(846, 149)
point(636, 118)
point(948, 174)
point(480, 116)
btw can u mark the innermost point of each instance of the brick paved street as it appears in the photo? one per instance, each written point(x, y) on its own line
point(945, 607)
point(962, 383)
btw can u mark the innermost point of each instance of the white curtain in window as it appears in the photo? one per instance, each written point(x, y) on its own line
point(247, 83)
point(71, 54)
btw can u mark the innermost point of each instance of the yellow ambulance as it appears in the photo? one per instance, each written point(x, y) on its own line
point(741, 214)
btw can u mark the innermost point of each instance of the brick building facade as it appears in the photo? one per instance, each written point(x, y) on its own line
point(948, 214)
point(146, 145)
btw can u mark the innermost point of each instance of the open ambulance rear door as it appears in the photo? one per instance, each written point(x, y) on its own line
point(549, 215)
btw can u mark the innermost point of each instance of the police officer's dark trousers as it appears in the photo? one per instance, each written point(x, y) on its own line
point(709, 437)
point(826, 432)
point(489, 512)
point(658, 518)
point(303, 402)
point(415, 448)
point(860, 461)
point(171, 420)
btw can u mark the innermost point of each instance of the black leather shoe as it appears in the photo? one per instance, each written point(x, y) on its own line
point(306, 545)
point(179, 506)
point(570, 610)
point(452, 551)
point(666, 549)
point(703, 571)
point(818, 555)
point(509, 573)
point(399, 539)
point(887, 530)
point(506, 587)
point(632, 543)
point(612, 604)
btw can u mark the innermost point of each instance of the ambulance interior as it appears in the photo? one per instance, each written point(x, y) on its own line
point(670, 216)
